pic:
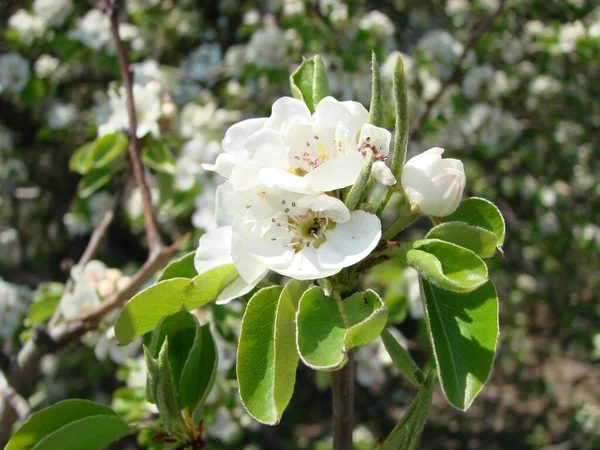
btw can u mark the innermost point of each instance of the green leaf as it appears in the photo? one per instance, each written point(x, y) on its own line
point(401, 123)
point(328, 328)
point(406, 433)
point(362, 185)
point(309, 82)
point(51, 419)
point(90, 433)
point(463, 330)
point(479, 240)
point(158, 157)
point(267, 358)
point(446, 265)
point(82, 160)
point(376, 109)
point(199, 372)
point(180, 330)
point(408, 368)
point(180, 268)
point(41, 310)
point(93, 180)
point(143, 312)
point(479, 212)
point(166, 398)
point(109, 147)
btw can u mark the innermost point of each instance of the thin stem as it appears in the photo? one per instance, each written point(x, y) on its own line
point(405, 218)
point(384, 202)
point(152, 235)
point(342, 390)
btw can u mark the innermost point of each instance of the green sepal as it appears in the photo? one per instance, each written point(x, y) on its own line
point(400, 94)
point(309, 82)
point(360, 188)
point(376, 109)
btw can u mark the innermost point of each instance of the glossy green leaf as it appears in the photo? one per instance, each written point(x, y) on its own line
point(376, 109)
point(158, 157)
point(90, 433)
point(198, 375)
point(479, 212)
point(180, 330)
point(107, 148)
point(463, 330)
point(180, 268)
point(479, 240)
point(165, 395)
point(405, 434)
point(267, 358)
point(309, 82)
point(143, 312)
point(51, 419)
point(400, 93)
point(403, 361)
point(444, 264)
point(327, 328)
point(82, 159)
point(94, 180)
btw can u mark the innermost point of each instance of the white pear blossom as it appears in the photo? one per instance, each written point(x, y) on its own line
point(304, 153)
point(267, 48)
point(93, 30)
point(54, 12)
point(45, 66)
point(147, 108)
point(203, 63)
point(299, 236)
point(27, 26)
point(379, 23)
point(14, 72)
point(61, 115)
point(433, 185)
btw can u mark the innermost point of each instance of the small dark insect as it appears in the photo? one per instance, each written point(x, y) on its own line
point(365, 300)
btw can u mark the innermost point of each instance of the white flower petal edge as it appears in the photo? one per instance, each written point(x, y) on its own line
point(434, 185)
point(213, 251)
point(351, 241)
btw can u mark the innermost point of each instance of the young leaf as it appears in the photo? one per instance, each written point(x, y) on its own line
point(479, 212)
point(328, 328)
point(152, 376)
point(267, 358)
point(83, 158)
point(89, 433)
point(158, 157)
point(180, 268)
point(402, 360)
point(143, 312)
point(406, 433)
point(376, 109)
point(309, 82)
point(401, 123)
point(51, 419)
point(479, 240)
point(107, 148)
point(166, 398)
point(463, 330)
point(41, 310)
point(198, 375)
point(95, 179)
point(444, 264)
point(361, 187)
point(180, 329)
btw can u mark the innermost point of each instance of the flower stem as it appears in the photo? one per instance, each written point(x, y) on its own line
point(407, 217)
point(342, 390)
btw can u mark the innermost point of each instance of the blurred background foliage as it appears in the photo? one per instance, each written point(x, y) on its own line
point(521, 109)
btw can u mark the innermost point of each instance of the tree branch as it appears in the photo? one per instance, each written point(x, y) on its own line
point(457, 71)
point(152, 235)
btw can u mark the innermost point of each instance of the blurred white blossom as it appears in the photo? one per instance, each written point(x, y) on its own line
point(27, 26)
point(53, 12)
point(14, 72)
point(14, 301)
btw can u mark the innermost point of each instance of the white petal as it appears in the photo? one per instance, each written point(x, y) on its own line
point(285, 112)
point(245, 175)
point(337, 173)
point(267, 149)
point(359, 114)
point(214, 249)
point(229, 203)
point(383, 174)
point(238, 288)
point(236, 135)
point(376, 137)
point(330, 206)
point(350, 242)
point(223, 165)
point(305, 266)
point(271, 177)
point(329, 112)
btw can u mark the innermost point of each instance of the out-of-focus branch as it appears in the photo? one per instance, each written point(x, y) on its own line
point(457, 72)
point(152, 235)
